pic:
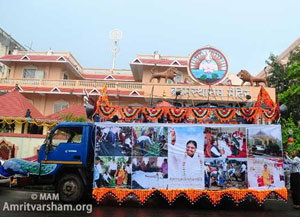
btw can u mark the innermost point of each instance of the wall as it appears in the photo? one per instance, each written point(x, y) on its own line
point(45, 102)
point(53, 71)
point(26, 147)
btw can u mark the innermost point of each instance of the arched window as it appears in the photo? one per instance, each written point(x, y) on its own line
point(60, 105)
point(7, 150)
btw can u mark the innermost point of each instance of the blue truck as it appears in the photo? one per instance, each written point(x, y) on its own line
point(70, 146)
point(65, 160)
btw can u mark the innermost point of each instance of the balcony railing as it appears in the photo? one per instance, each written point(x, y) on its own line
point(184, 91)
point(71, 83)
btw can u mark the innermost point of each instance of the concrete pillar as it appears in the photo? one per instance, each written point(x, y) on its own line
point(18, 128)
point(45, 130)
point(26, 128)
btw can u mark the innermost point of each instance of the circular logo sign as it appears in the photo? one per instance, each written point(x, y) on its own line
point(208, 66)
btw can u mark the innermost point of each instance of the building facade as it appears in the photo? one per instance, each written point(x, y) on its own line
point(53, 82)
point(8, 46)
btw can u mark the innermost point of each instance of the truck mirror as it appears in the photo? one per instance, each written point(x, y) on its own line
point(47, 142)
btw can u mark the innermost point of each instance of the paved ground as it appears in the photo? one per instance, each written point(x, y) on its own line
point(155, 207)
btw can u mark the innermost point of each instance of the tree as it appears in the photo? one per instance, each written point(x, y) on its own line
point(286, 80)
point(286, 125)
point(70, 117)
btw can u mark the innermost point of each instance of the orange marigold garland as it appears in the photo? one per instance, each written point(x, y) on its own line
point(153, 113)
point(192, 194)
point(249, 113)
point(269, 114)
point(129, 113)
point(200, 113)
point(177, 113)
point(107, 111)
point(225, 114)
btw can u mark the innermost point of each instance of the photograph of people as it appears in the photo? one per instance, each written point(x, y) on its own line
point(265, 173)
point(149, 172)
point(186, 158)
point(112, 172)
point(225, 173)
point(264, 142)
point(113, 141)
point(225, 142)
point(150, 141)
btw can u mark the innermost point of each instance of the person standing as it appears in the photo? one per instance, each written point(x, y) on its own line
point(164, 168)
point(295, 177)
point(243, 171)
point(266, 174)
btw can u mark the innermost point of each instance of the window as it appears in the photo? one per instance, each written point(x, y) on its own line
point(60, 105)
point(66, 135)
point(65, 76)
point(33, 73)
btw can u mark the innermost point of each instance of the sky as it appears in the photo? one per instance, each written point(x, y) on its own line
point(247, 32)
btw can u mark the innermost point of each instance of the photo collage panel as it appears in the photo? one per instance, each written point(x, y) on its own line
point(144, 156)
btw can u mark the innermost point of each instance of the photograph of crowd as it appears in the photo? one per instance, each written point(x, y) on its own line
point(149, 172)
point(113, 141)
point(225, 142)
point(112, 172)
point(266, 173)
point(264, 142)
point(150, 141)
point(225, 173)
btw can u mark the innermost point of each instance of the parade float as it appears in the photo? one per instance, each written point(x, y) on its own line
point(192, 151)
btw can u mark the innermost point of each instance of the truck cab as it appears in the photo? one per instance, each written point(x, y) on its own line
point(69, 146)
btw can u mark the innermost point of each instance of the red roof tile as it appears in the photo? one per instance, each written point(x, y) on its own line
point(14, 104)
point(31, 57)
point(163, 62)
point(103, 76)
point(77, 110)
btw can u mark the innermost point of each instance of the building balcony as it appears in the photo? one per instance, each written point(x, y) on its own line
point(138, 89)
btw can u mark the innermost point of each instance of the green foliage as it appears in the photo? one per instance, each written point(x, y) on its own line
point(215, 76)
point(70, 117)
point(286, 125)
point(286, 80)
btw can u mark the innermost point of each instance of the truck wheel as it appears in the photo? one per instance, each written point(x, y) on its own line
point(70, 188)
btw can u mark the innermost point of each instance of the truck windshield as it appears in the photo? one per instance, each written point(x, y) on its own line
point(66, 135)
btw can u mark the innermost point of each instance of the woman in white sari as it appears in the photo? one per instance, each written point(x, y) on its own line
point(186, 168)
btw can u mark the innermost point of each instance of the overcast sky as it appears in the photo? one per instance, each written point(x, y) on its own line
point(245, 31)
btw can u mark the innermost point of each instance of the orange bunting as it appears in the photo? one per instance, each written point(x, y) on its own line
point(237, 195)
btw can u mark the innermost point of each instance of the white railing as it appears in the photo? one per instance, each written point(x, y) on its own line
point(71, 83)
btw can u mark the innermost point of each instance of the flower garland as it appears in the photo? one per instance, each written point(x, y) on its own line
point(108, 111)
point(153, 113)
point(269, 114)
point(264, 97)
point(225, 114)
point(249, 113)
point(10, 121)
point(237, 195)
point(129, 113)
point(200, 114)
point(177, 114)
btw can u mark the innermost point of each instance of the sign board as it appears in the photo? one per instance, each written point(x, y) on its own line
point(208, 66)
